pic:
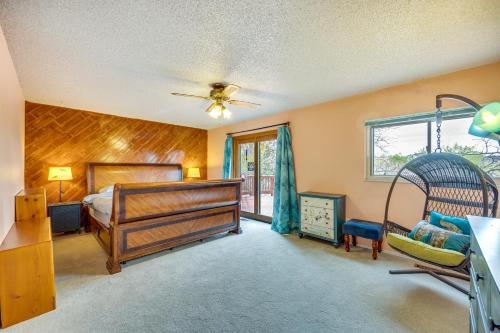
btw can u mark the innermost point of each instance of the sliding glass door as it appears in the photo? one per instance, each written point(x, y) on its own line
point(247, 172)
point(255, 162)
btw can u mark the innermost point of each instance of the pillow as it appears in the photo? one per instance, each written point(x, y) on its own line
point(438, 237)
point(107, 189)
point(425, 251)
point(451, 223)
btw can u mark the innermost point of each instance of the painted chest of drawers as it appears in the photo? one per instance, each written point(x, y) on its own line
point(322, 215)
point(484, 296)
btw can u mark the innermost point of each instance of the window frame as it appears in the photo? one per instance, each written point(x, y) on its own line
point(417, 118)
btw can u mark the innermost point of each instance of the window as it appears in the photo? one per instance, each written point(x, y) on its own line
point(395, 141)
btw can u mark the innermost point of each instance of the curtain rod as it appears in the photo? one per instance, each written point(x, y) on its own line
point(259, 128)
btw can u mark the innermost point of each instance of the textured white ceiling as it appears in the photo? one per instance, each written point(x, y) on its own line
point(125, 57)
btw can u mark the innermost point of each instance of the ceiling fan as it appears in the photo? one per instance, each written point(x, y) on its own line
point(221, 93)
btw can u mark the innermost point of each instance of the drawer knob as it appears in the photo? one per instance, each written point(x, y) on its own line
point(479, 277)
point(492, 325)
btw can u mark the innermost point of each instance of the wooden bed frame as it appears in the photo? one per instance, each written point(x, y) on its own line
point(154, 210)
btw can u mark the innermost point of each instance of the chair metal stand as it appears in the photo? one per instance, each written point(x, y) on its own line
point(437, 273)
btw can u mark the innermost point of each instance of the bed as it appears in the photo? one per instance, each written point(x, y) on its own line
point(146, 208)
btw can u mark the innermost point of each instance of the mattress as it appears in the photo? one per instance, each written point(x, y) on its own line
point(100, 217)
point(100, 205)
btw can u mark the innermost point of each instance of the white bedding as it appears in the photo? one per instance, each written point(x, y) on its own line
point(103, 205)
point(100, 205)
point(89, 199)
point(100, 217)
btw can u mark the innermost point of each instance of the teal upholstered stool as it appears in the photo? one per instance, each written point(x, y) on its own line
point(365, 229)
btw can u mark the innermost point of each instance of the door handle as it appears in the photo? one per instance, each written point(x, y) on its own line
point(492, 325)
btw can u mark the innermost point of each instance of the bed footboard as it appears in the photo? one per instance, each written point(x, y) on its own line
point(151, 217)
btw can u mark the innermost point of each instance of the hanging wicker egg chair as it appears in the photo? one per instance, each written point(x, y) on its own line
point(452, 186)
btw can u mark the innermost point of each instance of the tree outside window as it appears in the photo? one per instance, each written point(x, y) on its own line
point(395, 145)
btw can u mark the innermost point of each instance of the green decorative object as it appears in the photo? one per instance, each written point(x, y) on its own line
point(486, 122)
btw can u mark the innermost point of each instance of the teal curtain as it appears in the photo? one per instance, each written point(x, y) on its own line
point(228, 156)
point(285, 210)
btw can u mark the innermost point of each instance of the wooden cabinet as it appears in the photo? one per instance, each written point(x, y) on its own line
point(484, 297)
point(27, 287)
point(322, 215)
point(31, 204)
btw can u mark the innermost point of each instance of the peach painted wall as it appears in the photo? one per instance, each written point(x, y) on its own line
point(11, 137)
point(329, 139)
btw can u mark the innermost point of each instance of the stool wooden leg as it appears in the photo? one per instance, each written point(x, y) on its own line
point(380, 245)
point(346, 242)
point(353, 240)
point(374, 249)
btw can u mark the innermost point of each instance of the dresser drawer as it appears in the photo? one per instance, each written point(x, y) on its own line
point(473, 310)
point(479, 275)
point(481, 326)
point(484, 274)
point(477, 324)
point(494, 313)
point(316, 202)
point(318, 231)
point(478, 305)
point(321, 217)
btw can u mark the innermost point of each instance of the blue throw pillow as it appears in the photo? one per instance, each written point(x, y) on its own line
point(438, 237)
point(455, 224)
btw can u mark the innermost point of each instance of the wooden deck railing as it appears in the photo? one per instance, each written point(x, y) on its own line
point(266, 185)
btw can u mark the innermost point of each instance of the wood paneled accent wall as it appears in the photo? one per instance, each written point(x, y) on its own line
point(58, 136)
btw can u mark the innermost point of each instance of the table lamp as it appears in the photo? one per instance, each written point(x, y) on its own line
point(60, 174)
point(193, 173)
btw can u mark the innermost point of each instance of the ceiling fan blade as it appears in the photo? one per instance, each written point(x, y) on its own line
point(243, 104)
point(210, 107)
point(187, 95)
point(230, 90)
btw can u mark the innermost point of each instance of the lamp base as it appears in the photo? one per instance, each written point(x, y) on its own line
point(60, 191)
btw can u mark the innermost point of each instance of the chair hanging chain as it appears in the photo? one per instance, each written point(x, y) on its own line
point(439, 121)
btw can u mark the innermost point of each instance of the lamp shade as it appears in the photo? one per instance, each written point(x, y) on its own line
point(60, 173)
point(488, 118)
point(193, 173)
point(486, 122)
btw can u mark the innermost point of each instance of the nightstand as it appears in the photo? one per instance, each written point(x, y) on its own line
point(65, 216)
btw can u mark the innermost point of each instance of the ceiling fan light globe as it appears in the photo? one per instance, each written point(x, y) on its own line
point(226, 114)
point(215, 113)
point(215, 110)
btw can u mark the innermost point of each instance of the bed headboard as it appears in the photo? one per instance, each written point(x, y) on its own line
point(100, 175)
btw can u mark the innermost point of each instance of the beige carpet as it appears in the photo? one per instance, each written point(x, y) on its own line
point(258, 281)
